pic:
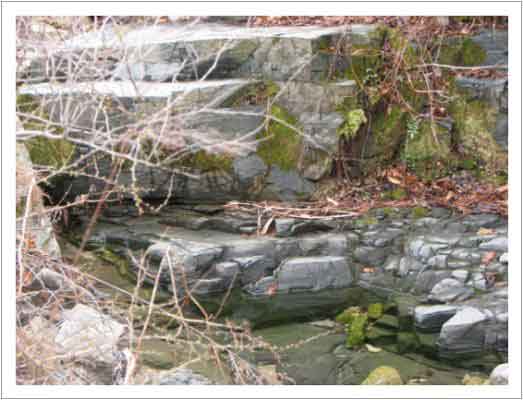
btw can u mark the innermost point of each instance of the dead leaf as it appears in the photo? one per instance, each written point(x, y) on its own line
point(372, 349)
point(488, 257)
point(485, 231)
point(267, 225)
point(393, 180)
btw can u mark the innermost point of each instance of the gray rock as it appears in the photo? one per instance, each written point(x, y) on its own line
point(448, 290)
point(460, 275)
point(87, 333)
point(313, 274)
point(48, 279)
point(408, 264)
point(323, 244)
point(498, 244)
point(254, 268)
point(286, 186)
point(431, 318)
point(370, 256)
point(248, 168)
point(476, 221)
point(183, 376)
point(503, 259)
point(469, 255)
point(500, 375)
point(227, 269)
point(426, 280)
point(438, 261)
point(463, 333)
point(392, 263)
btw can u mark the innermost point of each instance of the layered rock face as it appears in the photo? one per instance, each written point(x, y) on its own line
point(216, 112)
point(432, 268)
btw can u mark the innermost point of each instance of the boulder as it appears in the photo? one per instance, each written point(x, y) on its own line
point(86, 333)
point(500, 375)
point(432, 318)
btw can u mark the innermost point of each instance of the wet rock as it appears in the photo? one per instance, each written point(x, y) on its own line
point(431, 318)
point(383, 376)
point(498, 244)
point(500, 375)
point(449, 289)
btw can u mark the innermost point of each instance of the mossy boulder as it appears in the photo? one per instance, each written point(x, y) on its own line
point(383, 375)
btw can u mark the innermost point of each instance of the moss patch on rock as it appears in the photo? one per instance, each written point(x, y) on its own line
point(356, 329)
point(280, 144)
point(43, 151)
point(375, 310)
point(474, 124)
point(463, 52)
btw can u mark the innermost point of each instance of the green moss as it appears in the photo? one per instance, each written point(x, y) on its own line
point(389, 212)
point(408, 342)
point(354, 119)
point(475, 123)
point(419, 212)
point(366, 221)
point(280, 145)
point(375, 310)
point(54, 153)
point(388, 321)
point(346, 316)
point(462, 52)
point(356, 330)
point(111, 257)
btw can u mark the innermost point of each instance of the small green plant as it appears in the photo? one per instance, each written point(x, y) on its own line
point(353, 121)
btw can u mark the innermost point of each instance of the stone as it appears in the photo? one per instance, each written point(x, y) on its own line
point(408, 264)
point(254, 268)
point(463, 333)
point(469, 255)
point(448, 289)
point(426, 280)
point(500, 375)
point(383, 375)
point(370, 256)
point(286, 186)
point(392, 263)
point(431, 318)
point(313, 274)
point(183, 376)
point(498, 244)
point(48, 279)
point(87, 333)
point(503, 259)
point(461, 275)
point(438, 261)
point(248, 168)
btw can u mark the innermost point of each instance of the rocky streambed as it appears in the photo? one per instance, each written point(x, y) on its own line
point(423, 291)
